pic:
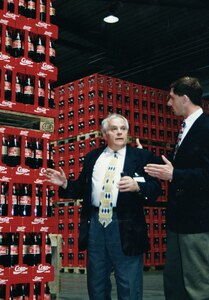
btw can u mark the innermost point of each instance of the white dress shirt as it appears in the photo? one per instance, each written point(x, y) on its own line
point(99, 173)
point(189, 122)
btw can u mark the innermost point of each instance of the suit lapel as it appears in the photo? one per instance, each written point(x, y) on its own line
point(194, 130)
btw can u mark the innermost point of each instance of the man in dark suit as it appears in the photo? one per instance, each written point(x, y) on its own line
point(120, 243)
point(186, 273)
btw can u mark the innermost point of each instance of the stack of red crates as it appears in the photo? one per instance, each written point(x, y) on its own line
point(26, 90)
point(83, 104)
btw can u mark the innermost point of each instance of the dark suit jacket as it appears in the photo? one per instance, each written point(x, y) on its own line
point(133, 230)
point(188, 195)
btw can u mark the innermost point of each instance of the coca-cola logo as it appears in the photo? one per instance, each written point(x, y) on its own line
point(24, 132)
point(44, 229)
point(21, 170)
point(42, 74)
point(3, 21)
point(43, 269)
point(5, 220)
point(3, 281)
point(3, 169)
point(47, 67)
point(9, 67)
point(42, 25)
point(26, 62)
point(42, 172)
point(7, 104)
point(49, 33)
point(10, 16)
point(4, 57)
point(39, 220)
point(21, 228)
point(38, 278)
point(46, 136)
point(41, 109)
point(26, 27)
point(4, 178)
point(38, 181)
point(20, 270)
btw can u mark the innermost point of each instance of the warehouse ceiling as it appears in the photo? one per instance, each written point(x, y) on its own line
point(154, 42)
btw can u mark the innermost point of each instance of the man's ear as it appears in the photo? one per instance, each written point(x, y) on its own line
point(186, 99)
point(104, 136)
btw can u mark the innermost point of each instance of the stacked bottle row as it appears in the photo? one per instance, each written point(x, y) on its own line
point(42, 10)
point(26, 200)
point(68, 227)
point(20, 43)
point(22, 248)
point(27, 89)
point(27, 67)
point(84, 103)
point(36, 290)
point(33, 153)
point(156, 225)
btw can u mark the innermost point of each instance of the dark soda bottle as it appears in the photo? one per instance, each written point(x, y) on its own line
point(25, 250)
point(37, 154)
point(51, 96)
point(28, 153)
point(48, 202)
point(52, 12)
point(4, 250)
point(7, 86)
point(25, 200)
point(14, 249)
point(3, 199)
point(41, 92)
point(48, 249)
point(21, 7)
point(1, 7)
point(13, 151)
point(38, 202)
point(4, 151)
point(14, 200)
point(2, 291)
point(49, 155)
point(42, 10)
point(25, 291)
point(8, 41)
point(52, 52)
point(37, 291)
point(40, 50)
point(17, 49)
point(31, 48)
point(35, 250)
point(31, 9)
point(28, 90)
point(18, 89)
point(10, 5)
point(47, 294)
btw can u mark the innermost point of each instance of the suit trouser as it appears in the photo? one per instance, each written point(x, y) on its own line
point(186, 272)
point(104, 255)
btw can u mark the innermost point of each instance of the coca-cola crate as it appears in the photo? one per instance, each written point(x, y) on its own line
point(27, 93)
point(36, 13)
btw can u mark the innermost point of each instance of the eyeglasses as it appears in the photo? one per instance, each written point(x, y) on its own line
point(116, 129)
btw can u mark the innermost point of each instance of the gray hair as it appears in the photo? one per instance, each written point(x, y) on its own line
point(105, 122)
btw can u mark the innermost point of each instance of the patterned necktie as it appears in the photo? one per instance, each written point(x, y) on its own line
point(183, 124)
point(106, 206)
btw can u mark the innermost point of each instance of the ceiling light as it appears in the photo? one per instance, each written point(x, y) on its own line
point(111, 19)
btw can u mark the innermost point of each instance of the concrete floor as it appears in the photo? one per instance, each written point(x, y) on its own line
point(73, 286)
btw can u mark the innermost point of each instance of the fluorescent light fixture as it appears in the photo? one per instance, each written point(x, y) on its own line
point(111, 19)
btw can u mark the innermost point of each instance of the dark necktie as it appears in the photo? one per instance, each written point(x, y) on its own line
point(183, 124)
